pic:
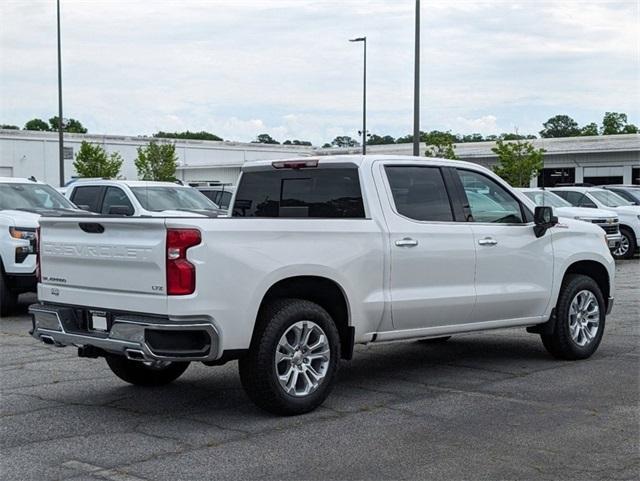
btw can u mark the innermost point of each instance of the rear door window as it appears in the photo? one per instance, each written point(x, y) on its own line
point(330, 193)
point(419, 193)
point(88, 196)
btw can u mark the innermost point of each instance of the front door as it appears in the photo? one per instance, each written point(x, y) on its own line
point(514, 268)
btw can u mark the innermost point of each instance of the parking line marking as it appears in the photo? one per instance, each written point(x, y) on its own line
point(110, 474)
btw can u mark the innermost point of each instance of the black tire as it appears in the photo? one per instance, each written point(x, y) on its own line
point(141, 374)
point(560, 344)
point(435, 340)
point(630, 240)
point(258, 372)
point(8, 298)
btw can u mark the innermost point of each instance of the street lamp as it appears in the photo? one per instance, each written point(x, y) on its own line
point(364, 94)
point(60, 121)
point(416, 86)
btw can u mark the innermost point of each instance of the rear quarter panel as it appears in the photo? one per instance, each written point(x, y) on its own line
point(239, 259)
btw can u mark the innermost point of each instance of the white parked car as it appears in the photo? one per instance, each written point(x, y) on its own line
point(22, 202)
point(321, 254)
point(140, 198)
point(606, 219)
point(219, 194)
point(597, 198)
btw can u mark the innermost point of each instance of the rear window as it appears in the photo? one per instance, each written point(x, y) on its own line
point(332, 193)
point(87, 196)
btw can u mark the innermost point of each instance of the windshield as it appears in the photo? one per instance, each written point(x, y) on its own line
point(31, 196)
point(544, 198)
point(161, 198)
point(608, 198)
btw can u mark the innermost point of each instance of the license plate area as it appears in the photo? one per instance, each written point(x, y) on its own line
point(98, 321)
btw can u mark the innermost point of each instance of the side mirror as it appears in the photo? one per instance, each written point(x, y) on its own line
point(120, 210)
point(544, 219)
point(83, 206)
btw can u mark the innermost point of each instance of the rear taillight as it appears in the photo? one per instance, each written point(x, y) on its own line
point(38, 270)
point(181, 274)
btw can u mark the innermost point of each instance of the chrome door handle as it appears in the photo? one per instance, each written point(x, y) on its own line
point(407, 242)
point(487, 241)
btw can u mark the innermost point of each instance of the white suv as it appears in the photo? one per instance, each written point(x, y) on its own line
point(606, 219)
point(141, 198)
point(597, 198)
point(22, 202)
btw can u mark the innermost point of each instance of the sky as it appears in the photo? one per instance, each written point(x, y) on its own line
point(239, 68)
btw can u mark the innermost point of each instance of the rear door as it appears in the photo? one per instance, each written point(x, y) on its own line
point(514, 268)
point(432, 249)
point(104, 262)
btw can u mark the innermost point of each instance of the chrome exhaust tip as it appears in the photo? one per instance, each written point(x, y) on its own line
point(135, 355)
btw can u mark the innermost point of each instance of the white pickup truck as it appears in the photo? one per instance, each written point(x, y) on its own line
point(321, 254)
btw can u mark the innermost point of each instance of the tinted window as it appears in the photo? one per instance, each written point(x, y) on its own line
point(574, 198)
point(419, 193)
point(488, 200)
point(87, 196)
point(115, 197)
point(326, 193)
point(224, 199)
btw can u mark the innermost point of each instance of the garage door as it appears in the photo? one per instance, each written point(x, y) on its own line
point(6, 171)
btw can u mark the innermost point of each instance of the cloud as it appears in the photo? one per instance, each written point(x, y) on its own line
point(240, 68)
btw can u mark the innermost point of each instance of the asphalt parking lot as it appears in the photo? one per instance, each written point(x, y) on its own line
point(481, 406)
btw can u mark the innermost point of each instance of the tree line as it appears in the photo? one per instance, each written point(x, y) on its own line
point(613, 123)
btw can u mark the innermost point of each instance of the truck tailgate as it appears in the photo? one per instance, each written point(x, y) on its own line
point(104, 262)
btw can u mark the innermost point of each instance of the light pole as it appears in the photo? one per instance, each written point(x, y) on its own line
point(364, 94)
point(60, 122)
point(416, 86)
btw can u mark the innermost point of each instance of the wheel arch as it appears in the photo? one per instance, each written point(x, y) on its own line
point(323, 291)
point(594, 269)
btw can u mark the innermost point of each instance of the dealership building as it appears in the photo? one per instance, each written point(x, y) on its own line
point(612, 159)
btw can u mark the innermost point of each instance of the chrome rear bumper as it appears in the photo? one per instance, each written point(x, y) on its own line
point(137, 337)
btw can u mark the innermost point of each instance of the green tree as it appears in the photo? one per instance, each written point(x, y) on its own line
point(36, 124)
point(344, 141)
point(375, 139)
point(472, 138)
point(9, 127)
point(589, 129)
point(202, 135)
point(92, 161)
point(72, 126)
point(157, 162)
point(440, 144)
point(297, 142)
point(560, 126)
point(615, 123)
point(326, 145)
point(518, 161)
point(265, 139)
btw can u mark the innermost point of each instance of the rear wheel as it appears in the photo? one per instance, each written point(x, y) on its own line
point(627, 247)
point(153, 373)
point(580, 318)
point(8, 298)
point(291, 366)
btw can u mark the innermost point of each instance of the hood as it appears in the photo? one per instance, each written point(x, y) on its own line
point(585, 212)
point(20, 218)
point(628, 209)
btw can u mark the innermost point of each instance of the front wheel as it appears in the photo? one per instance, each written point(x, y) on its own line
point(627, 247)
point(580, 318)
point(153, 373)
point(293, 359)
